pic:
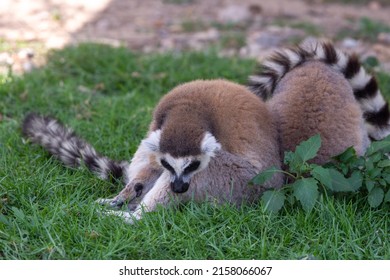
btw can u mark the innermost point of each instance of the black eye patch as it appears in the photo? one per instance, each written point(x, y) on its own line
point(166, 165)
point(192, 167)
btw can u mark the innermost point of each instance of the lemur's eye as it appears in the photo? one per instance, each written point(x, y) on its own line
point(166, 165)
point(192, 167)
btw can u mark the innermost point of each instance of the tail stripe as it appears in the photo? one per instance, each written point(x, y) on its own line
point(274, 67)
point(360, 80)
point(369, 91)
point(342, 61)
point(293, 57)
point(282, 61)
point(378, 118)
point(331, 56)
point(372, 104)
point(273, 78)
point(352, 68)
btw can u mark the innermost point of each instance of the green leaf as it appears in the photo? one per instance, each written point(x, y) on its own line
point(382, 182)
point(376, 157)
point(374, 172)
point(356, 180)
point(290, 199)
point(386, 177)
point(339, 182)
point(265, 175)
point(293, 161)
point(384, 163)
point(344, 169)
point(375, 197)
point(369, 184)
point(369, 164)
point(323, 176)
point(273, 200)
point(288, 157)
point(308, 149)
point(383, 146)
point(371, 61)
point(387, 197)
point(347, 157)
point(306, 191)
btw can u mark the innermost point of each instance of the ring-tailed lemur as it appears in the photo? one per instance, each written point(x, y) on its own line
point(207, 140)
point(365, 86)
point(316, 88)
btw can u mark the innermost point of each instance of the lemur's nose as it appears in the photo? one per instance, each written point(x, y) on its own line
point(178, 186)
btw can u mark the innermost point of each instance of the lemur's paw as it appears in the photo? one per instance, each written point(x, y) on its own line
point(115, 203)
point(128, 218)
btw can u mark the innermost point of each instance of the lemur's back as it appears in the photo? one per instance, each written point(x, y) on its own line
point(314, 98)
point(240, 121)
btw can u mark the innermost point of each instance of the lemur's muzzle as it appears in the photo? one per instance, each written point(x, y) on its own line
point(179, 186)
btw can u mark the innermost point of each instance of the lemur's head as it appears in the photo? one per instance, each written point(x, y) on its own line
point(182, 152)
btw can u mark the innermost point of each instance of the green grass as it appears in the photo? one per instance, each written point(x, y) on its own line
point(6, 46)
point(47, 211)
point(232, 40)
point(309, 28)
point(197, 25)
point(370, 29)
point(194, 25)
point(365, 28)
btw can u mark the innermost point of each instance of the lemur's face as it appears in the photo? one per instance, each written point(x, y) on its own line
point(182, 169)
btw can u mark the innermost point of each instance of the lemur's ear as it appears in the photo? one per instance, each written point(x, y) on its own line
point(209, 144)
point(152, 142)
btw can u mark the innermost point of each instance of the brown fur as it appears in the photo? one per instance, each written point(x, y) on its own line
point(147, 177)
point(313, 98)
point(238, 120)
point(365, 88)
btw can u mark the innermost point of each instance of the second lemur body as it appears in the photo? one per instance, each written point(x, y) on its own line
point(315, 88)
point(321, 102)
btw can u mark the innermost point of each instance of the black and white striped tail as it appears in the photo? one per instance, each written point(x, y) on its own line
point(365, 86)
point(65, 145)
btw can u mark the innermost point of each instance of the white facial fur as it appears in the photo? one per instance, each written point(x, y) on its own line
point(179, 164)
point(209, 146)
point(152, 142)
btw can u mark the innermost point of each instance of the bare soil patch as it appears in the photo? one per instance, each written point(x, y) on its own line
point(247, 28)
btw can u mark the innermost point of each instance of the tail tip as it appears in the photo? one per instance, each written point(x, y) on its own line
point(28, 123)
